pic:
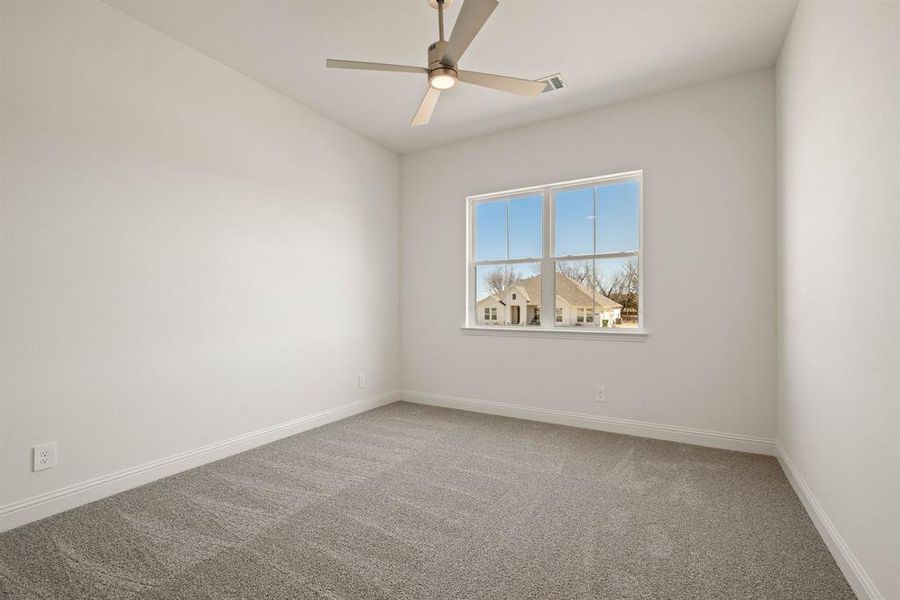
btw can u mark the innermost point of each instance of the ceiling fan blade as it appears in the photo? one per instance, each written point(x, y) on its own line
point(426, 107)
point(514, 85)
point(333, 63)
point(471, 19)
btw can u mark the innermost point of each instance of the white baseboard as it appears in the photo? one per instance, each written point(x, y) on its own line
point(673, 433)
point(850, 566)
point(56, 501)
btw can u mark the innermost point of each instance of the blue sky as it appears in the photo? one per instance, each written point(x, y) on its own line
point(525, 226)
point(614, 220)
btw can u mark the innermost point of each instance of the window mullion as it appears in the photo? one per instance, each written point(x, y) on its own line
point(515, 261)
point(471, 269)
point(594, 265)
point(505, 294)
point(507, 229)
point(548, 267)
point(570, 257)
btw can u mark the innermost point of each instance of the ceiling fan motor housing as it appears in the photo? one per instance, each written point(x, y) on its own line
point(436, 55)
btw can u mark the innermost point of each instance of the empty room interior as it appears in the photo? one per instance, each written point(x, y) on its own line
point(450, 299)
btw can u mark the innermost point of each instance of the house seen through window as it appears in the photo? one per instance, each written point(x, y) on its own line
point(574, 246)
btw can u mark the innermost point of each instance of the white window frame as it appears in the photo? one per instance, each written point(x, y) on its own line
point(548, 263)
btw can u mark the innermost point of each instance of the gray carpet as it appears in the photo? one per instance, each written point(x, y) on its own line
point(413, 502)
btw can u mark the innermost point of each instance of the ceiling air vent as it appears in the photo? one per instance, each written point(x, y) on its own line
point(554, 82)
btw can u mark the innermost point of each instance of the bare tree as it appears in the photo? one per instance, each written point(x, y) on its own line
point(583, 273)
point(606, 284)
point(493, 280)
point(625, 284)
point(621, 285)
point(629, 276)
point(580, 272)
point(499, 280)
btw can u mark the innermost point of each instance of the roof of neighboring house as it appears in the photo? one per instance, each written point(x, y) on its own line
point(567, 288)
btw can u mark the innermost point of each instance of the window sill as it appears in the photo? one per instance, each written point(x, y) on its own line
point(559, 332)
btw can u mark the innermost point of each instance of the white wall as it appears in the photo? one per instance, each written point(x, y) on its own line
point(175, 241)
point(839, 250)
point(173, 233)
point(709, 193)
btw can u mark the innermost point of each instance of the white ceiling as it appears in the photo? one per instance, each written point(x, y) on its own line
point(607, 50)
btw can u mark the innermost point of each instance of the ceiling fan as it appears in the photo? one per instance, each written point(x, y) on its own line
point(443, 58)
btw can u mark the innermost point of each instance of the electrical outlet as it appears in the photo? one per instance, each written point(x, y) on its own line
point(362, 380)
point(600, 394)
point(44, 457)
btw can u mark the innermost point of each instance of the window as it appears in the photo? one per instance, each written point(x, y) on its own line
point(575, 246)
point(490, 314)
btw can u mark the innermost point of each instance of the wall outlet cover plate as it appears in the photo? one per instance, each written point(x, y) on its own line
point(44, 457)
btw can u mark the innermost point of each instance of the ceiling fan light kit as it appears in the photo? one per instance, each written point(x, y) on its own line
point(443, 58)
point(442, 78)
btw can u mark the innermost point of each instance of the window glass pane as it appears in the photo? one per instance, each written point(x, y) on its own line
point(574, 284)
point(490, 230)
point(617, 217)
point(574, 214)
point(495, 287)
point(617, 283)
point(490, 284)
point(524, 282)
point(525, 225)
